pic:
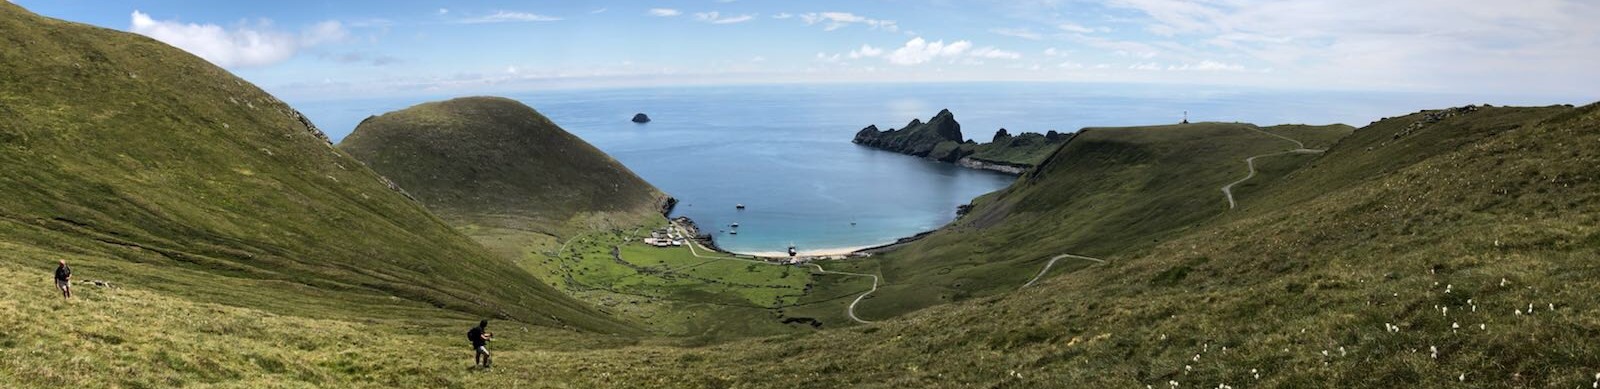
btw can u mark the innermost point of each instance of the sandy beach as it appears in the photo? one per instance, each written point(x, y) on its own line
point(810, 253)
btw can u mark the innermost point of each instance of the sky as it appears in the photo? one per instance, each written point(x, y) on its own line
point(352, 49)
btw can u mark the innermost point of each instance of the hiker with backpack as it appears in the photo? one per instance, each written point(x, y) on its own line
point(480, 337)
point(64, 279)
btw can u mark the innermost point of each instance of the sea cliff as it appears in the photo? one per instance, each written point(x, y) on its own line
point(940, 139)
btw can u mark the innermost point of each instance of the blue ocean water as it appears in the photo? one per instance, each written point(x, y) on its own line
point(784, 151)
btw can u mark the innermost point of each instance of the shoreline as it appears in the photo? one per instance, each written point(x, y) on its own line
point(709, 242)
point(827, 252)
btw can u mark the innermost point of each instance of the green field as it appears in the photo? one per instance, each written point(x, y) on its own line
point(1447, 248)
point(704, 298)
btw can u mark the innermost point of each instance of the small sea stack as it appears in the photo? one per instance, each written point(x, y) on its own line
point(738, 206)
point(641, 118)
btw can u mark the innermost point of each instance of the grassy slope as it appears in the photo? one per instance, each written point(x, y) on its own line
point(1030, 149)
point(1109, 192)
point(1500, 210)
point(496, 162)
point(533, 193)
point(147, 165)
point(1484, 213)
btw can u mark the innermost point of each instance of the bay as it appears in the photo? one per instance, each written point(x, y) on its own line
point(784, 150)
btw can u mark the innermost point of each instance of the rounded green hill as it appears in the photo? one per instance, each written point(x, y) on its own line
point(495, 158)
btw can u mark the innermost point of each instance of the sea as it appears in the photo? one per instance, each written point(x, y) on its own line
point(784, 151)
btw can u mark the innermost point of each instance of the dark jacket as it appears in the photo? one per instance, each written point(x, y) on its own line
point(63, 272)
point(476, 336)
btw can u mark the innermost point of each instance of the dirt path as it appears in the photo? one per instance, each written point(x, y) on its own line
point(851, 310)
point(1227, 190)
point(1052, 262)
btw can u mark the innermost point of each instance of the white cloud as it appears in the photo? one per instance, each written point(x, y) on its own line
point(250, 45)
point(598, 11)
point(443, 11)
point(865, 51)
point(1145, 66)
point(1070, 65)
point(1077, 28)
point(326, 32)
point(782, 15)
point(1207, 65)
point(715, 18)
point(993, 53)
point(1468, 45)
point(665, 12)
point(835, 20)
point(1018, 33)
point(918, 50)
point(510, 16)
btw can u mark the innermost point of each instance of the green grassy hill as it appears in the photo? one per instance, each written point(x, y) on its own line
point(495, 161)
point(575, 218)
point(1108, 192)
point(1485, 213)
point(1448, 248)
point(148, 166)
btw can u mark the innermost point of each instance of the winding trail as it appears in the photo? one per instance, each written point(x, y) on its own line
point(1227, 190)
point(851, 310)
point(1052, 262)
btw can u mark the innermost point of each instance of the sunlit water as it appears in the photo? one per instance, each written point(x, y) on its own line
point(784, 151)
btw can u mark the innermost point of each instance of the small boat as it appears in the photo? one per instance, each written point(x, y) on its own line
point(738, 206)
point(734, 225)
point(733, 232)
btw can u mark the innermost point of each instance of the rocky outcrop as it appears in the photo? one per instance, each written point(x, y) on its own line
point(1001, 136)
point(641, 118)
point(940, 139)
point(935, 139)
point(1431, 117)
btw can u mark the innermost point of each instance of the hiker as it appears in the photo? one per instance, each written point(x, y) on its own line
point(64, 279)
point(480, 338)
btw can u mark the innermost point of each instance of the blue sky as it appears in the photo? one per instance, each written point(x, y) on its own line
point(310, 50)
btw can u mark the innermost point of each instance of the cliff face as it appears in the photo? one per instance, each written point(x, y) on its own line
point(940, 139)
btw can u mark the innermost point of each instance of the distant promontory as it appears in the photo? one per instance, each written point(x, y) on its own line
point(940, 139)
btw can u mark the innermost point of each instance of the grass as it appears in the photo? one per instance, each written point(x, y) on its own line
point(1437, 249)
point(941, 139)
point(494, 161)
point(1025, 149)
point(569, 215)
point(128, 151)
point(702, 299)
point(1108, 193)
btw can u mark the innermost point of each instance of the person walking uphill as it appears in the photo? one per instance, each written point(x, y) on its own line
point(480, 337)
point(64, 279)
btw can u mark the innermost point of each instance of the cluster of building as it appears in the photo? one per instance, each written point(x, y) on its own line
point(665, 237)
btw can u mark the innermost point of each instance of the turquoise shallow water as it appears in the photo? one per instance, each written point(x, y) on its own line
point(784, 150)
